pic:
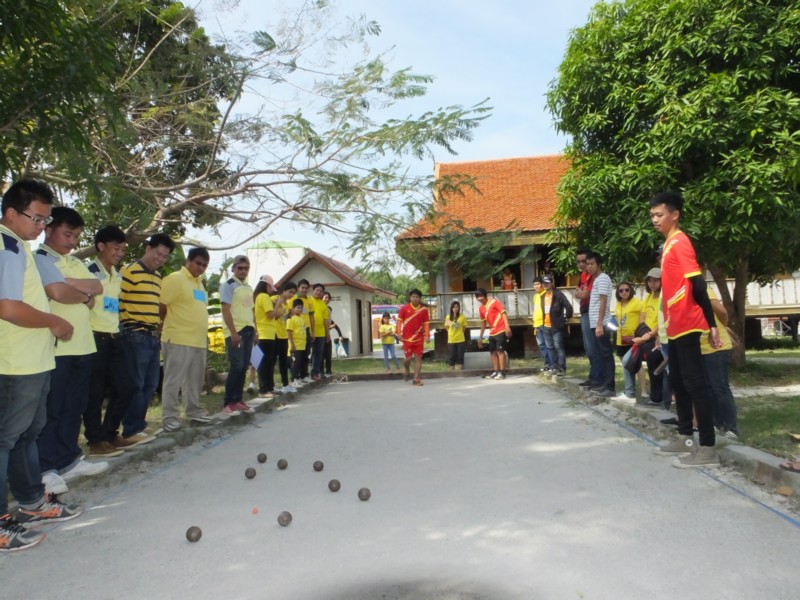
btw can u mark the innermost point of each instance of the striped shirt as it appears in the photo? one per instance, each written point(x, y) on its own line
point(139, 297)
point(601, 286)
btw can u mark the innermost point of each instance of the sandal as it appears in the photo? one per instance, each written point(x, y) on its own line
point(792, 467)
point(418, 382)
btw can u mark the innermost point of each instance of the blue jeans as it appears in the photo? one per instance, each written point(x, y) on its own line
point(239, 360)
point(605, 355)
point(66, 403)
point(317, 352)
point(388, 352)
point(666, 386)
point(590, 347)
point(23, 413)
point(717, 366)
point(142, 352)
point(629, 379)
point(554, 339)
point(540, 341)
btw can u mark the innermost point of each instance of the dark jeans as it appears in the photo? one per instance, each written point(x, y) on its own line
point(282, 354)
point(654, 359)
point(605, 356)
point(554, 340)
point(540, 341)
point(266, 370)
point(23, 413)
point(108, 375)
point(239, 361)
point(455, 354)
point(317, 350)
point(327, 357)
point(66, 403)
point(717, 366)
point(688, 379)
point(142, 352)
point(591, 349)
point(300, 364)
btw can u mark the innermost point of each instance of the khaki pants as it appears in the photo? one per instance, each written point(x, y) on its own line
point(184, 371)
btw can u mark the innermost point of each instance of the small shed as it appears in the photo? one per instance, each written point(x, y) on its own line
point(351, 297)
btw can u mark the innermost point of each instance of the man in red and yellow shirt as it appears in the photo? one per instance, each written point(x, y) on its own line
point(688, 315)
point(493, 314)
point(413, 325)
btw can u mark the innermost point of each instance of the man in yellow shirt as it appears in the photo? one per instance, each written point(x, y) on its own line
point(320, 332)
point(72, 296)
point(184, 341)
point(25, 321)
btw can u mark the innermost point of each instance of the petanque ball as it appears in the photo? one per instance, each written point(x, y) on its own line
point(334, 485)
point(262, 458)
point(284, 518)
point(249, 472)
point(194, 533)
point(282, 464)
point(319, 465)
point(364, 494)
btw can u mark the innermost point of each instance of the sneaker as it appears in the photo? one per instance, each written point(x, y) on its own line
point(140, 438)
point(202, 421)
point(103, 449)
point(683, 445)
point(14, 536)
point(54, 483)
point(652, 404)
point(586, 383)
point(172, 426)
point(241, 406)
point(266, 395)
point(317, 378)
point(288, 389)
point(623, 397)
point(670, 421)
point(705, 456)
point(52, 510)
point(499, 376)
point(122, 444)
point(596, 387)
point(297, 384)
point(307, 380)
point(561, 373)
point(231, 410)
point(492, 375)
point(327, 375)
point(84, 468)
point(604, 393)
point(732, 435)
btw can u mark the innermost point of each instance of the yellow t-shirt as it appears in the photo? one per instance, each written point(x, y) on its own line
point(456, 329)
point(724, 337)
point(548, 302)
point(307, 306)
point(650, 308)
point(538, 315)
point(239, 295)
point(296, 327)
point(265, 326)
point(628, 317)
point(38, 343)
point(321, 314)
point(185, 297)
point(387, 333)
point(78, 315)
point(105, 313)
point(280, 322)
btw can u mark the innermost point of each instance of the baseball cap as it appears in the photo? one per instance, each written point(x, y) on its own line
point(655, 273)
point(268, 279)
point(547, 279)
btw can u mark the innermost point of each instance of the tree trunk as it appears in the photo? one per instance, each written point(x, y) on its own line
point(735, 305)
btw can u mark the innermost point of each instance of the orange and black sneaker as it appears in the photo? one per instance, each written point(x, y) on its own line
point(52, 510)
point(14, 536)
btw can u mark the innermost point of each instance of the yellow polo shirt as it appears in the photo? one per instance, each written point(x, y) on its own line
point(78, 315)
point(321, 313)
point(185, 297)
point(239, 295)
point(264, 324)
point(456, 329)
point(105, 313)
point(280, 322)
point(651, 307)
point(297, 327)
point(19, 280)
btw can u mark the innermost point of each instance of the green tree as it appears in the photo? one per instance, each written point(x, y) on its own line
point(699, 96)
point(388, 278)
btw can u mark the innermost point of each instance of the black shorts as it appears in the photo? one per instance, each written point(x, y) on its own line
point(497, 343)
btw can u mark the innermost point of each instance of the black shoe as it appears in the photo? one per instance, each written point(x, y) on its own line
point(596, 387)
point(492, 375)
point(670, 421)
point(586, 383)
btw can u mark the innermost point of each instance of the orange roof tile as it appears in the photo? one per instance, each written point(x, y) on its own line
point(521, 189)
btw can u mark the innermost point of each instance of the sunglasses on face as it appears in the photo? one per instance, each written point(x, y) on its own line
point(627, 290)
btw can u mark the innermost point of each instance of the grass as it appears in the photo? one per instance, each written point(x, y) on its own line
point(765, 422)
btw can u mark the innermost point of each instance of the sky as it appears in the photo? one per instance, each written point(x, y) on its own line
point(506, 50)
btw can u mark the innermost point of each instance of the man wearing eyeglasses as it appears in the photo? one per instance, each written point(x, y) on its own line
point(239, 327)
point(28, 331)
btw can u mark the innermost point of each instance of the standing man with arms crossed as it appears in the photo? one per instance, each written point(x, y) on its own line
point(140, 325)
point(413, 323)
point(599, 316)
point(184, 341)
point(493, 314)
point(28, 331)
point(239, 327)
point(689, 315)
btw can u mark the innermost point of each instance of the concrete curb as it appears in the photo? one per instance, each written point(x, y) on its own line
point(754, 464)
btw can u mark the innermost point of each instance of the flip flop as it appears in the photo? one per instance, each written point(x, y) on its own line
point(418, 382)
point(792, 467)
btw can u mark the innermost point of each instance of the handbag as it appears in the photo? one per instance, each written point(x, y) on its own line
point(627, 340)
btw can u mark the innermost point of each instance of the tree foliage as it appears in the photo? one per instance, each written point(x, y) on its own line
point(699, 96)
point(284, 124)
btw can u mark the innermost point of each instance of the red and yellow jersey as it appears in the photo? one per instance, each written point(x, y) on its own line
point(678, 264)
point(411, 322)
point(492, 314)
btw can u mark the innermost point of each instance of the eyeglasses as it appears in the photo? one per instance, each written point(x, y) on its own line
point(627, 290)
point(37, 220)
point(243, 267)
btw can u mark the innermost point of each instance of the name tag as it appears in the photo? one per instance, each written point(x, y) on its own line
point(110, 304)
point(199, 295)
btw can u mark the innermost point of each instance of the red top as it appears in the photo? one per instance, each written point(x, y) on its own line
point(585, 284)
point(492, 314)
point(413, 322)
point(678, 263)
